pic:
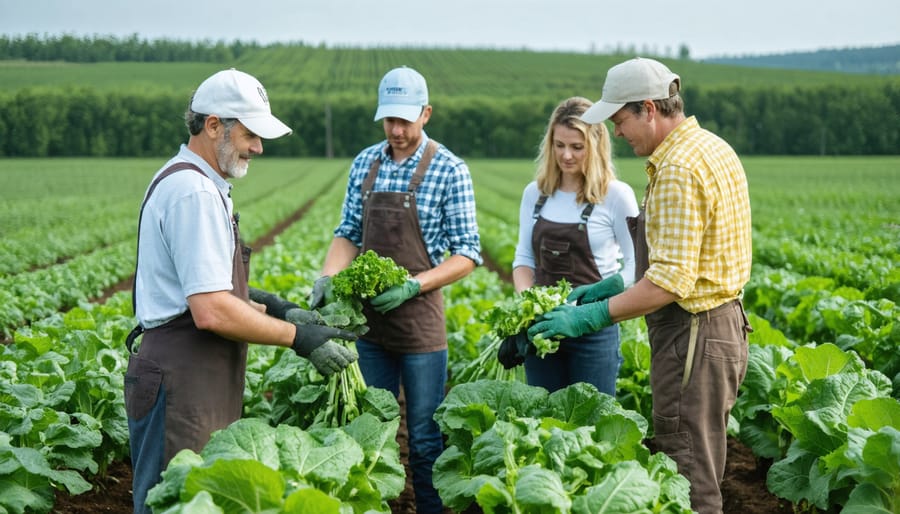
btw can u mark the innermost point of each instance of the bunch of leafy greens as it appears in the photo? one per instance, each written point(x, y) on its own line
point(516, 448)
point(253, 467)
point(367, 276)
point(291, 391)
point(512, 315)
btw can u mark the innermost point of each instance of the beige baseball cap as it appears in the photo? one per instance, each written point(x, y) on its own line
point(634, 80)
point(235, 94)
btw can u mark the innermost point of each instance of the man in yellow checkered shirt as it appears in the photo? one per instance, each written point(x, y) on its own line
point(693, 252)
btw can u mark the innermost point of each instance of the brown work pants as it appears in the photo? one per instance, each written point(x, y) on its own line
point(690, 415)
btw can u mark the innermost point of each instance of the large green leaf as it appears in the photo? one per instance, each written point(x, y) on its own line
point(540, 490)
point(875, 413)
point(628, 488)
point(797, 478)
point(245, 439)
point(237, 485)
point(322, 456)
point(382, 453)
point(311, 501)
point(818, 418)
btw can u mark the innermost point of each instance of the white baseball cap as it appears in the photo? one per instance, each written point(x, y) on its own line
point(634, 80)
point(401, 94)
point(235, 94)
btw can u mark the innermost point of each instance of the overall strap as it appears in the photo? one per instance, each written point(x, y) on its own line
point(178, 166)
point(585, 216)
point(422, 168)
point(418, 176)
point(538, 205)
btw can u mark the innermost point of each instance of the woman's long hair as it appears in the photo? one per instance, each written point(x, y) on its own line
point(598, 169)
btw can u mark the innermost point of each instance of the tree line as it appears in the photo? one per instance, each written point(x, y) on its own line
point(823, 119)
point(86, 49)
point(826, 120)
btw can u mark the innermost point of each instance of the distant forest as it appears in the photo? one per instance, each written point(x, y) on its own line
point(881, 60)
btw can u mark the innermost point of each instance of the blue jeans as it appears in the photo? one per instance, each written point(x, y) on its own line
point(592, 358)
point(147, 439)
point(424, 377)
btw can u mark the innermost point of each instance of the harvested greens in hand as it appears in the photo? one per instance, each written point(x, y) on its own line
point(367, 276)
point(512, 315)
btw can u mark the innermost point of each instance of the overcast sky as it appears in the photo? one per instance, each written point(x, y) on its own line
point(708, 27)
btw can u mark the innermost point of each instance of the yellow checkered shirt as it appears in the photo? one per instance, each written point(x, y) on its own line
point(698, 218)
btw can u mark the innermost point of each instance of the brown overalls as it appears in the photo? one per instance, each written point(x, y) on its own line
point(697, 362)
point(562, 250)
point(391, 228)
point(201, 372)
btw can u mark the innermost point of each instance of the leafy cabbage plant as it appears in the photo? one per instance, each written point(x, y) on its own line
point(251, 466)
point(829, 423)
point(516, 448)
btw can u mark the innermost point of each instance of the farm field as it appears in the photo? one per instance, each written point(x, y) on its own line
point(820, 400)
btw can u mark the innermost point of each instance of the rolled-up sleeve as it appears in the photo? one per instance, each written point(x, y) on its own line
point(459, 221)
point(350, 226)
point(675, 219)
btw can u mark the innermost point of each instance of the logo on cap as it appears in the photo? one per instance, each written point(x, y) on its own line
point(262, 94)
point(395, 91)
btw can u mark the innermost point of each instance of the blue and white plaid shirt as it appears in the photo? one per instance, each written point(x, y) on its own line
point(445, 200)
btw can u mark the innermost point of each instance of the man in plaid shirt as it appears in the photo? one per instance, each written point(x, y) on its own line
point(693, 249)
point(411, 199)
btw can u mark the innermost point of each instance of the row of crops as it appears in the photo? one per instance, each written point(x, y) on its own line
point(820, 399)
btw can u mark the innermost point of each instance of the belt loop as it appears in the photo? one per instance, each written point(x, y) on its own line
point(692, 347)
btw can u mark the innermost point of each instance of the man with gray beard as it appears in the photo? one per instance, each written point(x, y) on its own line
point(191, 297)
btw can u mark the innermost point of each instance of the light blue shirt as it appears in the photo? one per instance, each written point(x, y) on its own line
point(607, 227)
point(186, 241)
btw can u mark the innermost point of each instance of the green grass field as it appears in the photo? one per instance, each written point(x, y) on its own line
point(450, 72)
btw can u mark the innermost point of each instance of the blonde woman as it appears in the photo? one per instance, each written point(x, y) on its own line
point(572, 226)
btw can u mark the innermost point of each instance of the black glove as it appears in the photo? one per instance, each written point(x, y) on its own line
point(276, 306)
point(312, 342)
point(513, 350)
point(321, 288)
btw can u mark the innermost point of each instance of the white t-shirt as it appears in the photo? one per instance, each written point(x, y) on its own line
point(607, 229)
point(186, 241)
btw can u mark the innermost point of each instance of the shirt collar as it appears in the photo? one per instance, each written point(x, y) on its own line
point(413, 159)
point(659, 154)
point(221, 184)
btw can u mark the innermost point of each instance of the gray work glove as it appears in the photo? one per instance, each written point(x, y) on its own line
point(276, 306)
point(303, 317)
point(312, 342)
point(321, 288)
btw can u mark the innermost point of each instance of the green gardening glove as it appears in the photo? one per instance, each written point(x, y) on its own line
point(606, 288)
point(572, 321)
point(393, 297)
point(276, 306)
point(312, 342)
